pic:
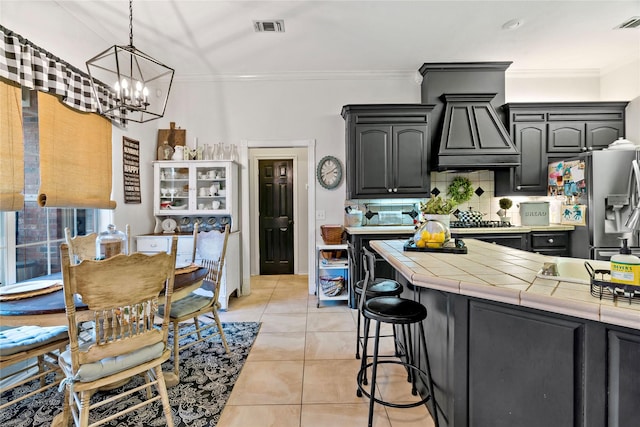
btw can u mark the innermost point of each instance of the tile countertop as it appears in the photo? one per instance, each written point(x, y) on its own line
point(503, 274)
point(409, 229)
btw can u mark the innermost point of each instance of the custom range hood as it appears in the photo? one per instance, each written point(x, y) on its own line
point(469, 131)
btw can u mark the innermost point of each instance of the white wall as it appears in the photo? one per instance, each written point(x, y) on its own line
point(308, 108)
point(544, 87)
point(623, 84)
point(138, 216)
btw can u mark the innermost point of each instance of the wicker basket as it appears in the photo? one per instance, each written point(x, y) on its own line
point(332, 286)
point(332, 234)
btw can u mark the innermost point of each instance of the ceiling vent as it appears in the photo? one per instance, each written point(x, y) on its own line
point(273, 26)
point(633, 22)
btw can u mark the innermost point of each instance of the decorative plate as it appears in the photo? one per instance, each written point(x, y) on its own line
point(35, 285)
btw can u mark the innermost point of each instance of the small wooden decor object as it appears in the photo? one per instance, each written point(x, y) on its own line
point(172, 135)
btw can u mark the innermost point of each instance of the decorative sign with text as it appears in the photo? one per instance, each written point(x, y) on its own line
point(131, 170)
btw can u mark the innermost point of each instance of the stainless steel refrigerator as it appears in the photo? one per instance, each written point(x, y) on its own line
point(608, 192)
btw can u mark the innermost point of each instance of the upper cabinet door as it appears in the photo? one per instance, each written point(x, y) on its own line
point(373, 164)
point(410, 160)
point(531, 138)
point(566, 137)
point(601, 134)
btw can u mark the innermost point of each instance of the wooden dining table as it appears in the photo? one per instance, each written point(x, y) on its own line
point(48, 309)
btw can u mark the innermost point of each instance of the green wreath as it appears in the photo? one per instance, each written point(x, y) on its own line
point(460, 190)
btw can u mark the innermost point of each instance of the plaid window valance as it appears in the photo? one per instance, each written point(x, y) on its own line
point(34, 68)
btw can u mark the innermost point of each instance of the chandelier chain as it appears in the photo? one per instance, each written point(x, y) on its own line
point(130, 22)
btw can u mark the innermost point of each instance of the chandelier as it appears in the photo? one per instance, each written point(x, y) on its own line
point(128, 84)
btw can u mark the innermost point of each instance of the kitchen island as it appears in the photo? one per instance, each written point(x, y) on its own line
point(508, 348)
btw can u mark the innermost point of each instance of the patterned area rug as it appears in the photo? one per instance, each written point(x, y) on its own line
point(207, 376)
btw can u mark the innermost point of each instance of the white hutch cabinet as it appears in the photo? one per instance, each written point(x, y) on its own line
point(190, 191)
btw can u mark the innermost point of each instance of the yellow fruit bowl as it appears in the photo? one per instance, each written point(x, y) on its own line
point(431, 234)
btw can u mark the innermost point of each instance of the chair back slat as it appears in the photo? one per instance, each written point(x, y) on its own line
point(212, 249)
point(81, 247)
point(123, 293)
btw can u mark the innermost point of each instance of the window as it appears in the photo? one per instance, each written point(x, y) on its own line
point(30, 239)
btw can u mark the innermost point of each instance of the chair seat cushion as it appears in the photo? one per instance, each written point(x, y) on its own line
point(25, 338)
point(380, 288)
point(187, 305)
point(394, 310)
point(110, 365)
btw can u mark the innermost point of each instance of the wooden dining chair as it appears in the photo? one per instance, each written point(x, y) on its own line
point(29, 354)
point(125, 341)
point(81, 247)
point(84, 247)
point(211, 246)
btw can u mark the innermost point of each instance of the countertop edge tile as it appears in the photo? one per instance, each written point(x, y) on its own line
point(410, 229)
point(620, 316)
point(493, 293)
point(437, 283)
point(584, 310)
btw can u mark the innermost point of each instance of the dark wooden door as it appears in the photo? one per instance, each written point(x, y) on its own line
point(566, 137)
point(601, 134)
point(373, 164)
point(410, 156)
point(531, 175)
point(276, 216)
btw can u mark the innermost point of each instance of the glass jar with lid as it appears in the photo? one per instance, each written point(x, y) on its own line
point(431, 234)
point(111, 242)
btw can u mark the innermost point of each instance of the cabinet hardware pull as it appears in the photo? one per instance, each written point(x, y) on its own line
point(395, 190)
point(550, 240)
point(389, 190)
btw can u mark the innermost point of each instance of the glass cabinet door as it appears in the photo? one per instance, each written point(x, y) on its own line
point(211, 187)
point(193, 188)
point(173, 186)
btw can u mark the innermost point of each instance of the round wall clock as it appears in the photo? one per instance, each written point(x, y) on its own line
point(329, 172)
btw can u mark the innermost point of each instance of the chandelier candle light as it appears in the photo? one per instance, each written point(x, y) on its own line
point(134, 76)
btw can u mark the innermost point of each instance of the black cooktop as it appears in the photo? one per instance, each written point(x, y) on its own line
point(479, 224)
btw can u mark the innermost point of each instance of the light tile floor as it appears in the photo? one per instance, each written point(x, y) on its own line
point(301, 371)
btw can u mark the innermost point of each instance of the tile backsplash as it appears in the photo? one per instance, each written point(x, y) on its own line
point(483, 199)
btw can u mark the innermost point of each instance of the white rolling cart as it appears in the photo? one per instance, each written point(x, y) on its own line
point(330, 270)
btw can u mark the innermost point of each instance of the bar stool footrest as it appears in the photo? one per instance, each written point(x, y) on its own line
point(419, 371)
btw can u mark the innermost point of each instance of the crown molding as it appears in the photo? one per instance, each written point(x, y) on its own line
point(541, 73)
point(306, 75)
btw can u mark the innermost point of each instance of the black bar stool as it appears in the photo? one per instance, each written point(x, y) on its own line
point(377, 288)
point(400, 312)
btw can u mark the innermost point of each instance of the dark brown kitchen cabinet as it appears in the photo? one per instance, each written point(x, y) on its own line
point(512, 240)
point(530, 177)
point(566, 137)
point(553, 243)
point(577, 137)
point(551, 131)
point(387, 150)
point(504, 365)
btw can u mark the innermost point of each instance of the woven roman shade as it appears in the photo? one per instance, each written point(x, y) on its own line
point(11, 148)
point(75, 157)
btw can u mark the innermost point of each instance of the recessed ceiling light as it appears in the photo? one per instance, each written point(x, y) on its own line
point(512, 24)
